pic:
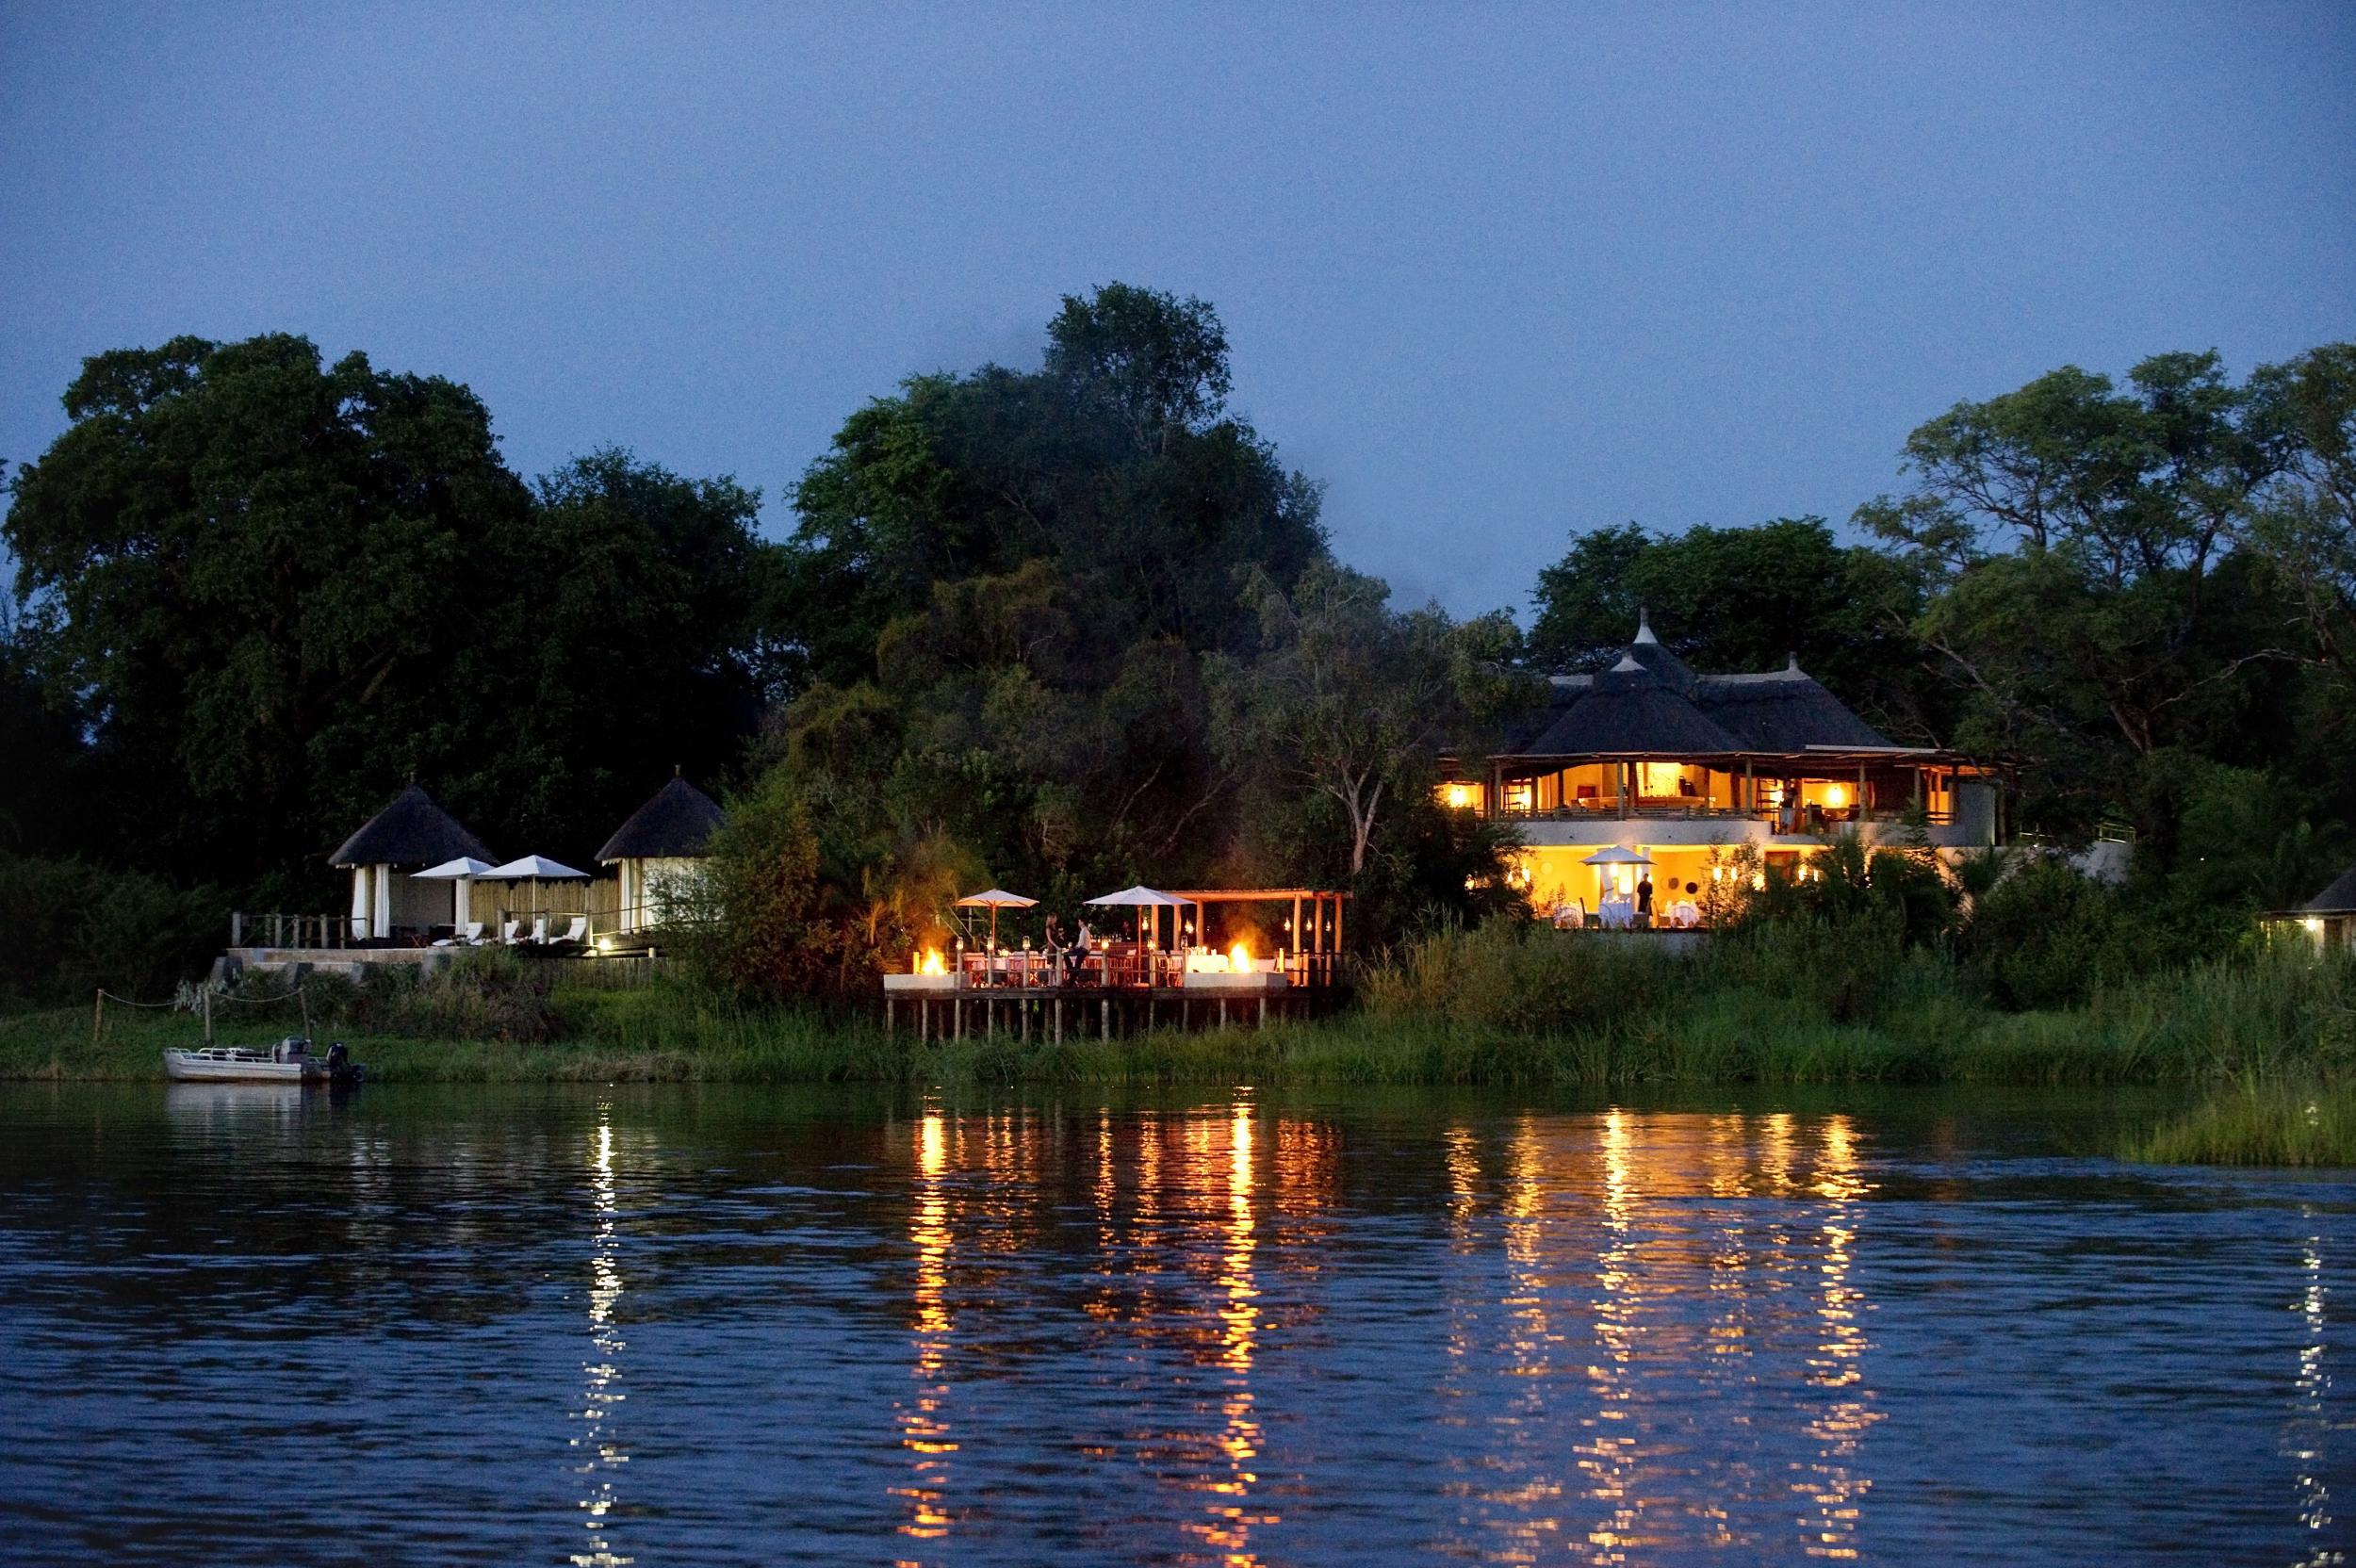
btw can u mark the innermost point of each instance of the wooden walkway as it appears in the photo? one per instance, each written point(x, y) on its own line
point(1049, 1011)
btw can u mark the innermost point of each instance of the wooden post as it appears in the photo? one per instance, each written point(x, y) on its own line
point(208, 1013)
point(924, 1019)
point(1264, 1009)
point(303, 996)
point(989, 1018)
point(1105, 1018)
point(1337, 922)
point(957, 1006)
point(98, 1016)
point(1059, 1020)
point(886, 1015)
point(1025, 1006)
point(1223, 1012)
point(236, 928)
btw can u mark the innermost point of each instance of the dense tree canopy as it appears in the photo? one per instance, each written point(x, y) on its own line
point(1730, 600)
point(271, 592)
point(1070, 627)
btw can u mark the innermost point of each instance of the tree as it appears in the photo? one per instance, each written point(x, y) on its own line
point(2109, 513)
point(1351, 699)
point(1730, 600)
point(272, 592)
point(2307, 522)
point(2084, 594)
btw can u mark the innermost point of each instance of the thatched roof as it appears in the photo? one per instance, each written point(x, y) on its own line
point(410, 831)
point(675, 824)
point(1784, 712)
point(2337, 899)
point(1651, 704)
point(1628, 710)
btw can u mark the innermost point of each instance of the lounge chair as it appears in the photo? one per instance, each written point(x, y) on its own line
point(468, 935)
point(511, 933)
point(576, 933)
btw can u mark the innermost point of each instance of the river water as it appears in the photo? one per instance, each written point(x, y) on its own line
point(726, 1326)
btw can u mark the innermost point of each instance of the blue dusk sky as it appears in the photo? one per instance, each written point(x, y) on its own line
point(1495, 274)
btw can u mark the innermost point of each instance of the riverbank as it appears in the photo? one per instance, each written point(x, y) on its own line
point(2246, 1098)
point(2270, 1042)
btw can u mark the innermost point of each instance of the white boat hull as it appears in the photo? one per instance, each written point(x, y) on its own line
point(223, 1066)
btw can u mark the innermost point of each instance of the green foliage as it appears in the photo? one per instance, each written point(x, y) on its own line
point(72, 927)
point(1730, 600)
point(482, 994)
point(274, 592)
point(2282, 1125)
point(2088, 600)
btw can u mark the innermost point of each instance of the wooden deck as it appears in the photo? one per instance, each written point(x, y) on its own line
point(1049, 1011)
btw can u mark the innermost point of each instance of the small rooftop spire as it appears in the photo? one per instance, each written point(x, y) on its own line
point(1628, 661)
point(1791, 663)
point(1644, 626)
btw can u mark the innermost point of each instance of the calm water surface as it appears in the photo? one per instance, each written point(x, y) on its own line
point(685, 1326)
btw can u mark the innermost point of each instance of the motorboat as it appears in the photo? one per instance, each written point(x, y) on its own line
point(289, 1061)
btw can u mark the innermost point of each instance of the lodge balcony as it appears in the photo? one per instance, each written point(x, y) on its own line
point(1804, 799)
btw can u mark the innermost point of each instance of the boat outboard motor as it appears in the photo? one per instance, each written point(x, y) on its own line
point(337, 1057)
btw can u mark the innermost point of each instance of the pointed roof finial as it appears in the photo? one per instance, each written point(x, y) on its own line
point(1791, 663)
point(1644, 626)
point(678, 771)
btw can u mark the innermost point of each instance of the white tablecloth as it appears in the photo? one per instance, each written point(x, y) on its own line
point(1617, 914)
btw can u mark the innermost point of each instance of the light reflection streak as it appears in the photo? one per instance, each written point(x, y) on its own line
point(605, 1454)
point(1834, 1488)
point(1532, 1488)
point(924, 1431)
point(1227, 1530)
point(2313, 1423)
point(1609, 1459)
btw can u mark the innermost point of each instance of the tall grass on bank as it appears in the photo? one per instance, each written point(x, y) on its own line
point(2282, 1122)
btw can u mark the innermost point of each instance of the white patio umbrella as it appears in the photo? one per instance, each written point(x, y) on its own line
point(1140, 898)
point(460, 874)
point(1614, 855)
point(995, 900)
point(535, 869)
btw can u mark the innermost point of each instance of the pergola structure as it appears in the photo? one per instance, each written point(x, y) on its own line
point(1312, 931)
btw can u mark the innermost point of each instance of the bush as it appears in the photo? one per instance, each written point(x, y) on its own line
point(482, 994)
point(2046, 936)
point(72, 927)
point(1515, 977)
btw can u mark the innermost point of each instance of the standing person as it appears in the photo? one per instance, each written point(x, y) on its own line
point(1644, 899)
point(1053, 944)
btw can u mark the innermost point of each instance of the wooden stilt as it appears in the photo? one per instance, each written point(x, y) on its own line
point(1025, 1008)
point(1105, 1018)
point(1223, 1012)
point(208, 1015)
point(1059, 1020)
point(887, 1017)
point(98, 1016)
point(1263, 1009)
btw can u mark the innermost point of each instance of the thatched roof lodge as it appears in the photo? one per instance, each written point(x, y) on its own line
point(410, 834)
point(1649, 768)
point(2329, 918)
point(661, 845)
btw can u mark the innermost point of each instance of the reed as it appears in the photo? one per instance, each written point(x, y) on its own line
point(2259, 1122)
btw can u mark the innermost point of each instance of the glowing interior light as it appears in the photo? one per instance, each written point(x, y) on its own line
point(931, 964)
point(1836, 795)
point(1241, 957)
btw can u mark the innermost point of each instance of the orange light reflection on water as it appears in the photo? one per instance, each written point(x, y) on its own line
point(923, 1427)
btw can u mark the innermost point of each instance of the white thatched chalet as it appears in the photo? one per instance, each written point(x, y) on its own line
point(409, 835)
point(663, 845)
